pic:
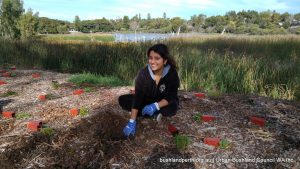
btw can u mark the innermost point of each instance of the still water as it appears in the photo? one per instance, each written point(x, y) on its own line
point(141, 37)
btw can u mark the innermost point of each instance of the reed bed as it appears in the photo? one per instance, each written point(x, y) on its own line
point(261, 65)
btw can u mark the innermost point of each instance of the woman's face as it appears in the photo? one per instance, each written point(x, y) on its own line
point(156, 62)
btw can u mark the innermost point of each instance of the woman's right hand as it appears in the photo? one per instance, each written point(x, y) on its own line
point(129, 129)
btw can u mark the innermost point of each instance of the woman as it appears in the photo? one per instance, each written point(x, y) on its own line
point(156, 88)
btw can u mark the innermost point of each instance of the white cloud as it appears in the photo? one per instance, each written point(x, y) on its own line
point(201, 3)
point(265, 4)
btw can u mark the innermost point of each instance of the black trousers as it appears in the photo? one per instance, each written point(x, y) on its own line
point(125, 102)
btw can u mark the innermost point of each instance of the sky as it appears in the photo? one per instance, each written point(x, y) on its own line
point(113, 9)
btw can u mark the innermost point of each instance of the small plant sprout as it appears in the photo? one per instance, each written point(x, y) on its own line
point(224, 144)
point(9, 93)
point(182, 142)
point(47, 131)
point(83, 111)
point(55, 85)
point(197, 116)
point(88, 89)
point(22, 116)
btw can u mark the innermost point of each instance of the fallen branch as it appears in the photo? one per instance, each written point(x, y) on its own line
point(11, 135)
point(6, 144)
point(159, 142)
point(130, 150)
point(6, 120)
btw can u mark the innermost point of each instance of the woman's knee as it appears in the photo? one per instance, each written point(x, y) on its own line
point(125, 101)
point(169, 110)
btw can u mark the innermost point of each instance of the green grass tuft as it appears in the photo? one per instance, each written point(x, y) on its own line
point(182, 142)
point(94, 79)
point(83, 111)
point(47, 131)
point(55, 85)
point(9, 93)
point(88, 89)
point(22, 116)
point(197, 117)
point(224, 144)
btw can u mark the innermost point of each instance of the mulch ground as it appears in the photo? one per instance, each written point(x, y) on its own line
point(96, 140)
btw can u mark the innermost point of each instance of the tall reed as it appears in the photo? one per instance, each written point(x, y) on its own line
point(264, 65)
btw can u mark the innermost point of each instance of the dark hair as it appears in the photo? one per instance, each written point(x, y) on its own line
point(163, 51)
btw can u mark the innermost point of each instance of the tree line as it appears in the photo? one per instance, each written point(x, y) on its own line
point(243, 22)
point(15, 23)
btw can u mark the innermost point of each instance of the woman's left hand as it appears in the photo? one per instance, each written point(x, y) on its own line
point(150, 109)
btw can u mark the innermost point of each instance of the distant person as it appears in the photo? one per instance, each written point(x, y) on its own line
point(156, 88)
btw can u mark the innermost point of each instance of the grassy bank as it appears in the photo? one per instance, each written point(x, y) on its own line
point(264, 65)
point(81, 37)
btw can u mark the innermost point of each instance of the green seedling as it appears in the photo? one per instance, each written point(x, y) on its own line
point(83, 111)
point(13, 74)
point(22, 116)
point(55, 85)
point(181, 142)
point(214, 93)
point(47, 131)
point(9, 93)
point(197, 117)
point(88, 89)
point(50, 96)
point(224, 144)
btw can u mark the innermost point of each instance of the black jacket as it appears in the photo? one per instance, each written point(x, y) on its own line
point(147, 92)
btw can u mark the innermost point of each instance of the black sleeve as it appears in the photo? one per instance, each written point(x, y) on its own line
point(172, 89)
point(139, 93)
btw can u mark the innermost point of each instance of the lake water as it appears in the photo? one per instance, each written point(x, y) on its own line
point(142, 37)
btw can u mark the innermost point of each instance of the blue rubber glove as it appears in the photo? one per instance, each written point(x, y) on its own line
point(150, 109)
point(129, 129)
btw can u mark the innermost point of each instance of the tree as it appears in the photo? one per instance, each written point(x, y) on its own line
point(28, 25)
point(217, 24)
point(11, 11)
point(232, 19)
point(134, 24)
point(266, 19)
point(197, 21)
point(77, 23)
point(62, 29)
point(118, 24)
point(126, 22)
point(231, 16)
point(248, 17)
point(297, 16)
point(176, 24)
point(148, 16)
point(286, 20)
point(275, 17)
point(51, 26)
point(102, 25)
